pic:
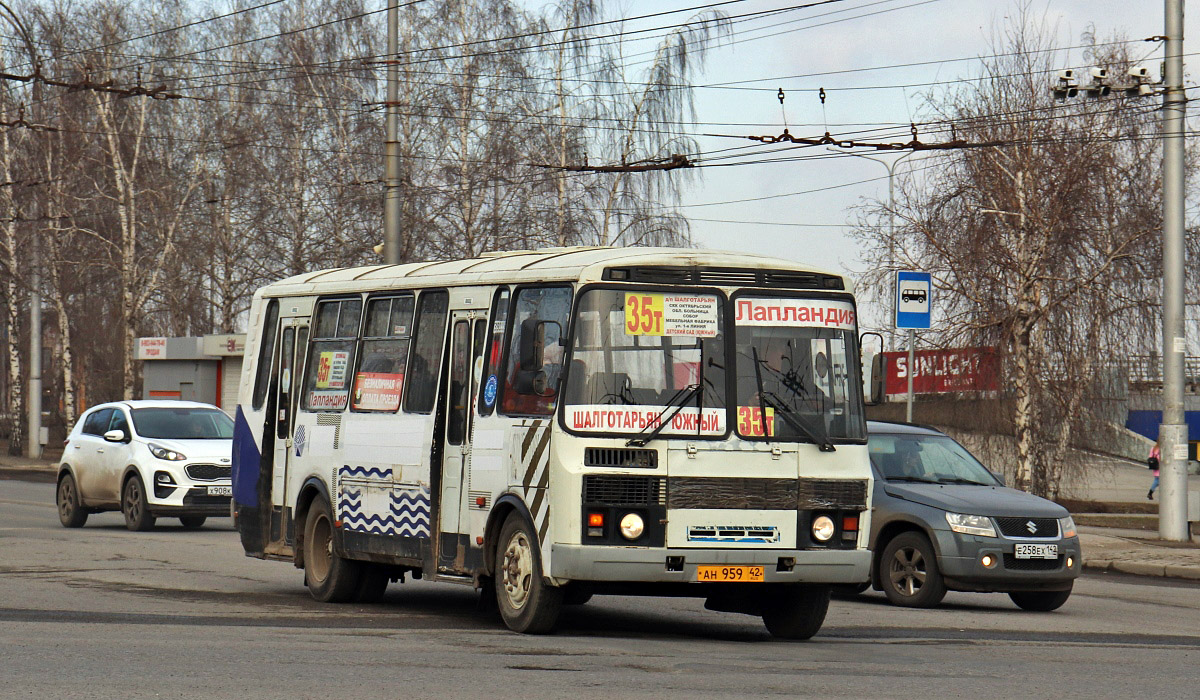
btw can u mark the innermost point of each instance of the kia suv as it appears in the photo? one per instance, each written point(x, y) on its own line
point(148, 459)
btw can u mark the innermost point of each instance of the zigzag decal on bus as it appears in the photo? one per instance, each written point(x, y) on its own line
point(407, 516)
point(370, 473)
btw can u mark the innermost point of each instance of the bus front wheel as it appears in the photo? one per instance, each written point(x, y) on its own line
point(796, 611)
point(329, 577)
point(527, 604)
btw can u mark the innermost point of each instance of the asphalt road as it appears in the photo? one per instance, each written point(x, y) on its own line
point(102, 612)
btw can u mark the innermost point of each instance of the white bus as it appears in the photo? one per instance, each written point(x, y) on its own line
point(560, 423)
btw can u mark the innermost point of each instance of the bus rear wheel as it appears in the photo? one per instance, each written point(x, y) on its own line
point(329, 577)
point(796, 611)
point(527, 604)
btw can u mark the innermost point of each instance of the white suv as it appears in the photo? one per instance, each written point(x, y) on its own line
point(148, 459)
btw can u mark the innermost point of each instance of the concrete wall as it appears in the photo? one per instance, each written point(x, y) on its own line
point(194, 380)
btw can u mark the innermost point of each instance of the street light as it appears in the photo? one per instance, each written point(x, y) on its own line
point(891, 168)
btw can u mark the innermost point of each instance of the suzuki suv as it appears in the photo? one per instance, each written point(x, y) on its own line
point(942, 521)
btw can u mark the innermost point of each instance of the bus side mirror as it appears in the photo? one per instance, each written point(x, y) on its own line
point(878, 380)
point(876, 388)
point(533, 345)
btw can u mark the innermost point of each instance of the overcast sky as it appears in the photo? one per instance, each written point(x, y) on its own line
point(870, 33)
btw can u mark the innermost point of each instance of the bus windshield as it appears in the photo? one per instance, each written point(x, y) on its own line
point(795, 366)
point(644, 358)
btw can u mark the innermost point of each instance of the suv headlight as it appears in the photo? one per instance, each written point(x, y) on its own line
point(971, 524)
point(163, 453)
point(1066, 526)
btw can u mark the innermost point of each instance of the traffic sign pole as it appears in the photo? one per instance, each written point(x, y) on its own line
point(912, 342)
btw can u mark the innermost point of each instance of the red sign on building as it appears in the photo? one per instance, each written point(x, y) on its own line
point(945, 371)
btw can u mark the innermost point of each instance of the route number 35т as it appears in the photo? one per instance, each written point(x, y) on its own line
point(643, 314)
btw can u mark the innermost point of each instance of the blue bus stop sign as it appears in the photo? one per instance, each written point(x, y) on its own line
point(914, 296)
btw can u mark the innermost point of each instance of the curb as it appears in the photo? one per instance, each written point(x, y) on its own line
point(1137, 568)
point(45, 475)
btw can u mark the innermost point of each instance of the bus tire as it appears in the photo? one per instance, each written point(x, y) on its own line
point(192, 522)
point(70, 510)
point(329, 577)
point(372, 584)
point(527, 604)
point(796, 611)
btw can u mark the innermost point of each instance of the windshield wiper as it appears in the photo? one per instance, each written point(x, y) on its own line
point(677, 401)
point(786, 413)
point(960, 480)
point(920, 479)
point(793, 419)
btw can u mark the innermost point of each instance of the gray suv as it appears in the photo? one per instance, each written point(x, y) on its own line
point(942, 522)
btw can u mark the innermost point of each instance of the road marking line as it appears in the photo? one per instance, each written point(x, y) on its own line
point(28, 503)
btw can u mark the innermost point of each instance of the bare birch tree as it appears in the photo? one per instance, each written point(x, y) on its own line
point(1040, 244)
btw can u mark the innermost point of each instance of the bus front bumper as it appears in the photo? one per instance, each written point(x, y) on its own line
point(658, 564)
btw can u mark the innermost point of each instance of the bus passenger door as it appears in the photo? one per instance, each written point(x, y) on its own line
point(466, 344)
point(294, 340)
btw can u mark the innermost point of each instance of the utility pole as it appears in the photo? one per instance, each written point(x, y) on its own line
point(391, 144)
point(33, 401)
point(1172, 433)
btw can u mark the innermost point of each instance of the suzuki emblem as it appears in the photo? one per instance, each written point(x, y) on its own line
point(1031, 527)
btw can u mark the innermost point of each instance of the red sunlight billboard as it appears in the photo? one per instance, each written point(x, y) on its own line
point(945, 371)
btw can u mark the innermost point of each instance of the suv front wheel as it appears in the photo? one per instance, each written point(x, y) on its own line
point(909, 572)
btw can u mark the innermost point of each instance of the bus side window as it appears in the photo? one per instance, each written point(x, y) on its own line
point(421, 390)
point(331, 354)
point(266, 348)
point(491, 370)
point(543, 310)
point(379, 381)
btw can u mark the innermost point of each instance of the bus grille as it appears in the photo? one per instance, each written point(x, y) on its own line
point(608, 490)
point(620, 457)
point(832, 493)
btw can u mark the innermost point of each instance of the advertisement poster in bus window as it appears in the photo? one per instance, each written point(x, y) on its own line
point(690, 315)
point(331, 369)
point(377, 391)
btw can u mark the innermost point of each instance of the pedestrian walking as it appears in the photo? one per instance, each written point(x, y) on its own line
point(1152, 462)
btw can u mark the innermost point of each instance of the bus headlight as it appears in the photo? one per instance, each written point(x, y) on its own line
point(823, 528)
point(632, 526)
